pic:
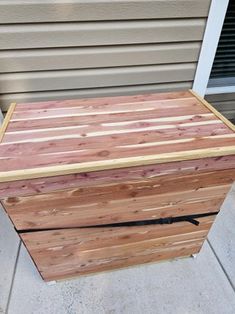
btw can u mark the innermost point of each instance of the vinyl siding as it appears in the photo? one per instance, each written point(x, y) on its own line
point(60, 49)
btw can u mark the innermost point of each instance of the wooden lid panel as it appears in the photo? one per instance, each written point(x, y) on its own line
point(73, 136)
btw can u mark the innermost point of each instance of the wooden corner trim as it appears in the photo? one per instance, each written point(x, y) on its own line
point(213, 110)
point(6, 120)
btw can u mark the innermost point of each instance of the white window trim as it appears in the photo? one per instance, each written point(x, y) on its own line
point(211, 37)
point(220, 90)
point(221, 86)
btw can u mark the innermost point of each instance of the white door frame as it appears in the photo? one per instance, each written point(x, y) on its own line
point(211, 37)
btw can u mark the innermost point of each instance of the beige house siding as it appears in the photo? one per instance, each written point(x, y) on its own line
point(60, 49)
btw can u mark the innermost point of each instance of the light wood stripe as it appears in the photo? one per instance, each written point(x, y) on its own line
point(95, 119)
point(185, 140)
point(107, 177)
point(141, 145)
point(11, 150)
point(86, 114)
point(7, 120)
point(106, 109)
point(114, 163)
point(101, 100)
point(14, 136)
point(121, 123)
point(120, 131)
point(86, 108)
point(215, 129)
point(32, 161)
point(168, 119)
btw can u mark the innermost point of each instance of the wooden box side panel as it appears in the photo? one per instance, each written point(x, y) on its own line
point(61, 254)
point(153, 198)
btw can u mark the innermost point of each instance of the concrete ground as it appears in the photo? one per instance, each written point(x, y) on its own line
point(185, 286)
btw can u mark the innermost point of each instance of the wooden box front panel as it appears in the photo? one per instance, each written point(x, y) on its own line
point(147, 198)
point(60, 254)
point(48, 213)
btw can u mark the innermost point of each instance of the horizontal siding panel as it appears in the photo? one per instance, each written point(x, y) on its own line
point(91, 78)
point(6, 99)
point(27, 11)
point(97, 57)
point(99, 33)
point(88, 48)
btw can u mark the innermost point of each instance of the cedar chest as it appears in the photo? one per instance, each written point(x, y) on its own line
point(98, 184)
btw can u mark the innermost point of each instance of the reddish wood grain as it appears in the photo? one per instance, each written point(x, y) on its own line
point(171, 195)
point(53, 133)
point(112, 141)
point(125, 151)
point(66, 253)
point(71, 120)
point(102, 100)
point(159, 125)
point(49, 184)
point(159, 106)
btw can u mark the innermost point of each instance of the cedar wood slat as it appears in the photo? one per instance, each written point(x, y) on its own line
point(114, 163)
point(202, 121)
point(112, 249)
point(80, 110)
point(101, 100)
point(130, 154)
point(171, 134)
point(70, 122)
point(65, 210)
point(96, 178)
point(124, 201)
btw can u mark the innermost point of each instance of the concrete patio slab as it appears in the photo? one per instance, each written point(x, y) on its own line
point(184, 286)
point(222, 236)
point(9, 243)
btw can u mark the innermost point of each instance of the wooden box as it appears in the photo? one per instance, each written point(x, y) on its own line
point(98, 184)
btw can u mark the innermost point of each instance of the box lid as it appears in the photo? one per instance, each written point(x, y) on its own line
point(72, 136)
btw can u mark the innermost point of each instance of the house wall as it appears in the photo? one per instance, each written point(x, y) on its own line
point(60, 49)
